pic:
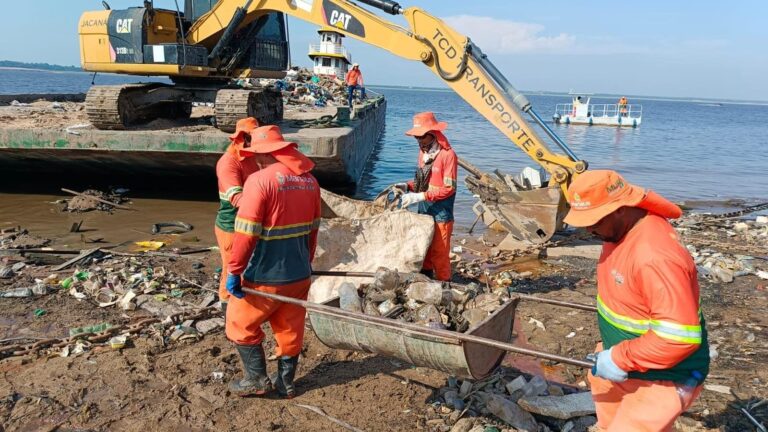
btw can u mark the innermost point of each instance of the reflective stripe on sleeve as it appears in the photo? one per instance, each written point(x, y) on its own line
point(247, 227)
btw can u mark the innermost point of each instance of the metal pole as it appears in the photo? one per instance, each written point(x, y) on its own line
point(417, 329)
point(581, 306)
point(518, 98)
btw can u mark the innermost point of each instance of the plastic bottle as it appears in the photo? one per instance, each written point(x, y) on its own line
point(348, 298)
point(686, 389)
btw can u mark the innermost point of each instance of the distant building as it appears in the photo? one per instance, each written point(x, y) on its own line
point(330, 57)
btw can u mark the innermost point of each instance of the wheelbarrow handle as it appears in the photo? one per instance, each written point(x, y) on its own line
point(417, 329)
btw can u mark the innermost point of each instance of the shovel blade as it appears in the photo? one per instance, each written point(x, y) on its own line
point(529, 216)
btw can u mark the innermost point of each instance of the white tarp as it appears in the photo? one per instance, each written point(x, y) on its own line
point(396, 239)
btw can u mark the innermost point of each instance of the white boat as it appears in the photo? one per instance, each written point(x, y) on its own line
point(581, 112)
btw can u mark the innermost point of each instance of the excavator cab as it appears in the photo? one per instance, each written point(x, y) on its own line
point(154, 42)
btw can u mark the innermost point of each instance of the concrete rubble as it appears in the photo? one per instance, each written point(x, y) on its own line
point(511, 401)
point(413, 297)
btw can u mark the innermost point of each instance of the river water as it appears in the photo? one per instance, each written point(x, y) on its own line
point(686, 150)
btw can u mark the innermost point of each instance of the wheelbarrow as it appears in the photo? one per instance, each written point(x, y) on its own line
point(472, 355)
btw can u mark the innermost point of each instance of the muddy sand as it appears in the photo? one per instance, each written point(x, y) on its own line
point(157, 382)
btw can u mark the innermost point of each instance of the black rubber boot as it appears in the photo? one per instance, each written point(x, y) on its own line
point(286, 371)
point(255, 381)
point(223, 306)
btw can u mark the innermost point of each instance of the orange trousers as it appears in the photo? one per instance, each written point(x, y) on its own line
point(638, 405)
point(224, 240)
point(245, 317)
point(438, 259)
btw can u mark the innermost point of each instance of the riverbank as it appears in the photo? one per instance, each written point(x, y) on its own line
point(180, 368)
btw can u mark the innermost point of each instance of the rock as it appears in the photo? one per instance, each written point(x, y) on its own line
point(385, 279)
point(426, 292)
point(6, 273)
point(740, 227)
point(516, 385)
point(487, 302)
point(536, 386)
point(209, 325)
point(562, 407)
point(512, 414)
point(474, 316)
point(554, 390)
point(386, 306)
point(428, 313)
point(463, 425)
point(466, 387)
point(18, 266)
point(591, 251)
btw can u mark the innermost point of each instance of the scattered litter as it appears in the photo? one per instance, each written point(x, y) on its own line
point(718, 388)
point(39, 312)
point(217, 376)
point(538, 323)
point(118, 342)
point(96, 328)
point(148, 245)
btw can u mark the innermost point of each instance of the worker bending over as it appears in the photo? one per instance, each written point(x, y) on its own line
point(654, 354)
point(434, 189)
point(232, 169)
point(274, 244)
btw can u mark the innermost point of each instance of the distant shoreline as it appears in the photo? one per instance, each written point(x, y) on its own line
point(38, 69)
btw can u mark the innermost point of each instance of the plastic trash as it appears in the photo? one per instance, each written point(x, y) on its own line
point(17, 293)
point(118, 342)
point(66, 283)
point(686, 389)
point(349, 299)
point(96, 328)
point(39, 312)
point(148, 245)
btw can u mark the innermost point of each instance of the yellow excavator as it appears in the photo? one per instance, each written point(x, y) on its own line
point(210, 43)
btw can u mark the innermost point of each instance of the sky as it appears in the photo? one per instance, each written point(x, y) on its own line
point(683, 48)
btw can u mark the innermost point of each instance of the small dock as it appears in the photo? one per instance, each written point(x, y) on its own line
point(49, 137)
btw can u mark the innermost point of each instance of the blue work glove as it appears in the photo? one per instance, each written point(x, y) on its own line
point(605, 368)
point(233, 286)
point(412, 198)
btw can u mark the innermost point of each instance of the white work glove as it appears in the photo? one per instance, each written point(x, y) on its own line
point(412, 198)
point(606, 368)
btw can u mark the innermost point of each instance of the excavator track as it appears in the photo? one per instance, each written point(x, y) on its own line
point(265, 104)
point(117, 106)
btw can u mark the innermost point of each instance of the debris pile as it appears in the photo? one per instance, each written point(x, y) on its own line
point(302, 86)
point(715, 245)
point(416, 298)
point(506, 401)
point(92, 199)
point(20, 238)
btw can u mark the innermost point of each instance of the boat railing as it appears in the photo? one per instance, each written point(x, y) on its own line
point(602, 110)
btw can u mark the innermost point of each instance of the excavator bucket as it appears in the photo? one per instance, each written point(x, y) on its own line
point(529, 215)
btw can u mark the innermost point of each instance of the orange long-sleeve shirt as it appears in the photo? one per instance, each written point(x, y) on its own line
point(231, 173)
point(648, 304)
point(276, 227)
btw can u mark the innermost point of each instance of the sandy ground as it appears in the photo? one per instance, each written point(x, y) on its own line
point(63, 115)
point(149, 385)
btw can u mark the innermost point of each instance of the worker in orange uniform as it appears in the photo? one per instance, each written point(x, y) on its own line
point(623, 106)
point(434, 189)
point(233, 168)
point(654, 354)
point(354, 80)
point(274, 244)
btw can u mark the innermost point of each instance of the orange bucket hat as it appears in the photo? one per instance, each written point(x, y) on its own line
point(267, 139)
point(596, 194)
point(243, 126)
point(425, 122)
